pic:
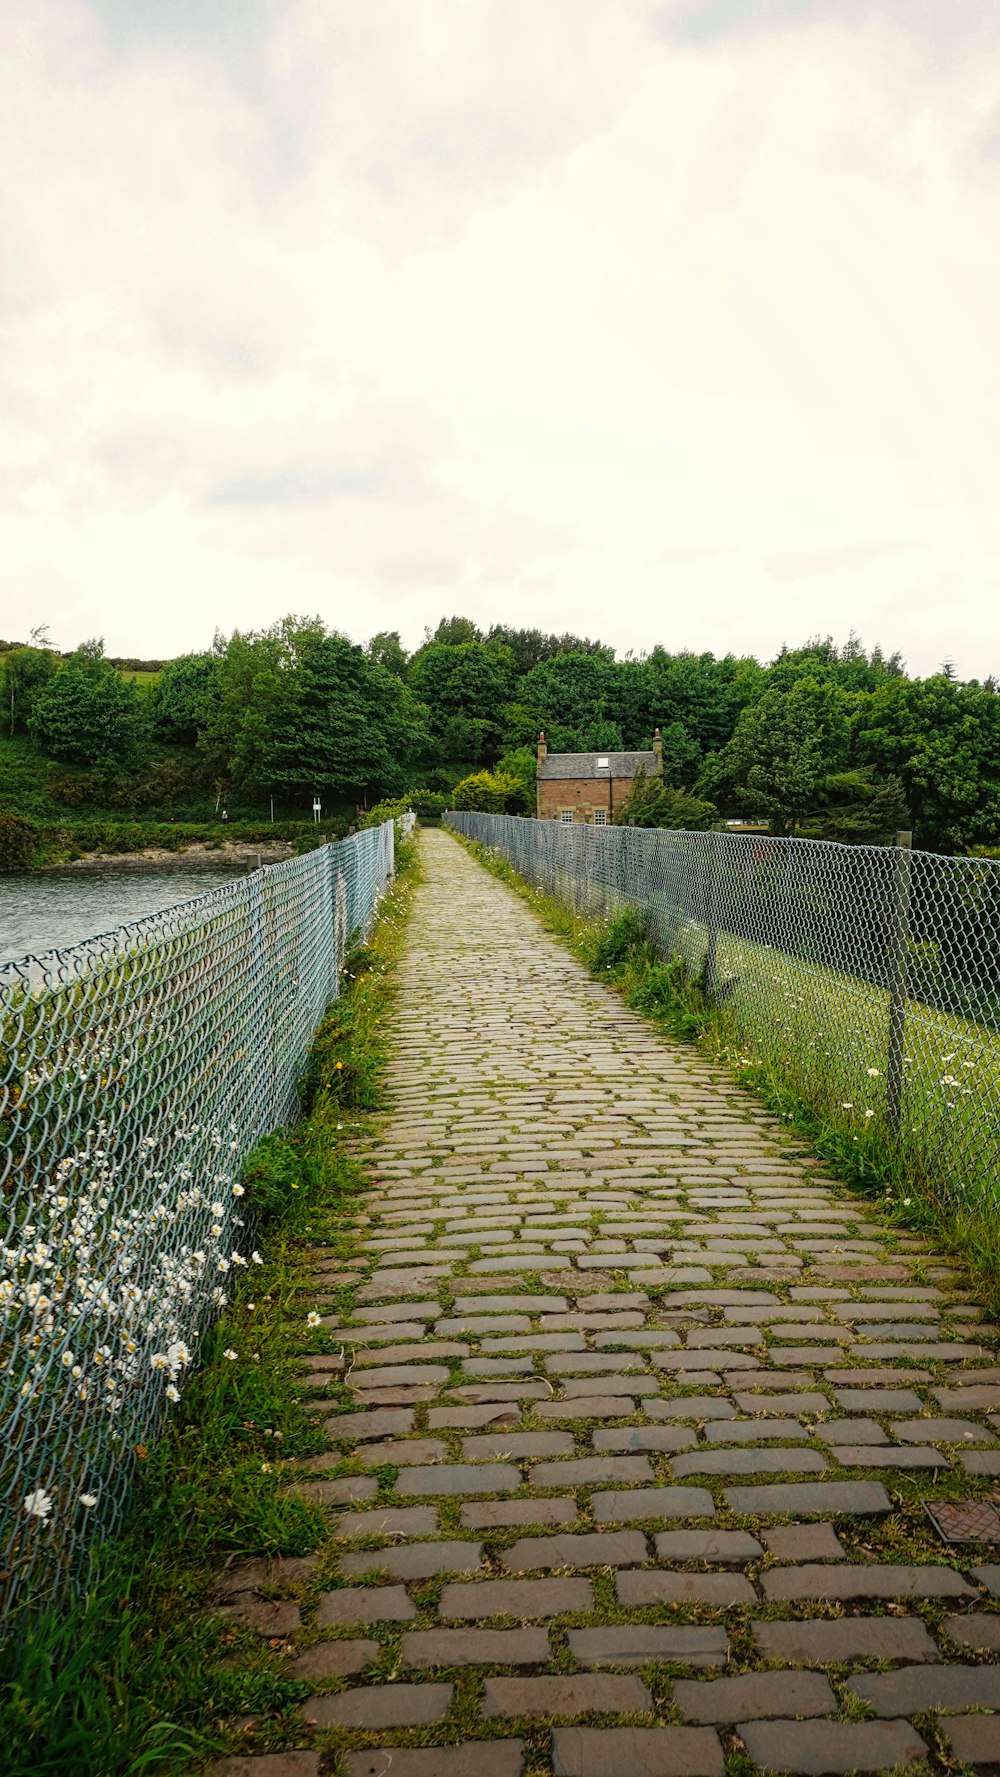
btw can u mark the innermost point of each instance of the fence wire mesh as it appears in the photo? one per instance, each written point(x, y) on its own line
point(866, 977)
point(137, 1071)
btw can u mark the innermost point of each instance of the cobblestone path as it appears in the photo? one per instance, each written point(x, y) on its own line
point(660, 1406)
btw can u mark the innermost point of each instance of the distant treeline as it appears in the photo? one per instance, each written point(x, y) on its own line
point(827, 739)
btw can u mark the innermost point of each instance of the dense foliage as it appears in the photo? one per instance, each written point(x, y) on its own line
point(826, 740)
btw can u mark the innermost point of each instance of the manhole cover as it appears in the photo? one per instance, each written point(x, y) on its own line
point(967, 1521)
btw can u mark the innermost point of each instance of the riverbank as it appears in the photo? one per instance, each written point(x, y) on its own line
point(200, 855)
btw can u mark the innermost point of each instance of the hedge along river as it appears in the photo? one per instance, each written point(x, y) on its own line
point(51, 908)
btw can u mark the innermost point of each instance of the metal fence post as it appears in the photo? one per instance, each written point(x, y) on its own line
point(711, 917)
point(899, 958)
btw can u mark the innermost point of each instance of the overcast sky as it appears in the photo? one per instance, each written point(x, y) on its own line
point(660, 320)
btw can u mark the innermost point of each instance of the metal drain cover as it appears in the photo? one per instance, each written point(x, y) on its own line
point(965, 1521)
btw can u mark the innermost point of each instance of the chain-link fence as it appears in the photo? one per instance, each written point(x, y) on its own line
point(137, 1071)
point(868, 977)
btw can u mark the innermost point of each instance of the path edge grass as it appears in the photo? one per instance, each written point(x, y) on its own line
point(126, 1681)
point(618, 951)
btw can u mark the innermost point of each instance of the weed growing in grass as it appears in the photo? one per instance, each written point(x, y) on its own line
point(129, 1681)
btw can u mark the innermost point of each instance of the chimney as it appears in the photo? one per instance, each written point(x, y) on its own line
point(657, 753)
point(542, 748)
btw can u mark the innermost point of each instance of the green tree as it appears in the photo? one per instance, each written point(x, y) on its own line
point(453, 632)
point(387, 649)
point(464, 687)
point(26, 672)
point(181, 699)
point(942, 739)
point(87, 714)
point(782, 752)
point(652, 803)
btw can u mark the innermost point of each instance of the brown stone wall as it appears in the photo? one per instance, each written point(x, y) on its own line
point(582, 795)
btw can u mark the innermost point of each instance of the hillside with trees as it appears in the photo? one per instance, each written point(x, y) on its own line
point(825, 739)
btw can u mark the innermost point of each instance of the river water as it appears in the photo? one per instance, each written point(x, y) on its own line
point(51, 908)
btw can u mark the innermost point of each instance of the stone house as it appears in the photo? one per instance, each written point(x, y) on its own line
point(589, 787)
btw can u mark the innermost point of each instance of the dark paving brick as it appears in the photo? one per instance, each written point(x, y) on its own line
point(748, 1462)
point(977, 1630)
point(644, 1437)
point(474, 1758)
point(816, 1643)
point(459, 1477)
point(333, 1659)
point(878, 1400)
point(754, 1697)
point(497, 1514)
point(388, 1521)
point(652, 1502)
point(720, 1546)
point(515, 1598)
point(562, 1694)
point(633, 1644)
point(270, 1617)
point(380, 1706)
point(851, 1581)
point(384, 1422)
point(635, 1752)
point(804, 1542)
point(989, 1577)
point(915, 1689)
point(622, 1548)
point(589, 1407)
point(754, 1431)
point(591, 1471)
point(974, 1740)
point(364, 1604)
point(639, 1586)
point(404, 1453)
point(499, 1446)
point(805, 1497)
point(413, 1561)
point(474, 1647)
point(825, 1749)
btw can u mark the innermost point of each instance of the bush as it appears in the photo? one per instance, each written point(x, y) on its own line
point(491, 792)
point(18, 839)
point(429, 805)
point(613, 942)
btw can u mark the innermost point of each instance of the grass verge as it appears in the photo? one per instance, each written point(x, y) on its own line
point(619, 951)
point(130, 1681)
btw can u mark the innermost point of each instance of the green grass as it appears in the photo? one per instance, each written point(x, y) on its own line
point(139, 1677)
point(802, 1038)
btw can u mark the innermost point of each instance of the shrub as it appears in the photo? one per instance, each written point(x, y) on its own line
point(491, 792)
point(613, 942)
point(17, 842)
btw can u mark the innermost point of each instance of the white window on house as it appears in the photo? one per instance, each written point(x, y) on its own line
point(603, 764)
point(600, 817)
point(566, 814)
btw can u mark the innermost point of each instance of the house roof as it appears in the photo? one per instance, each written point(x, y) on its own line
point(584, 765)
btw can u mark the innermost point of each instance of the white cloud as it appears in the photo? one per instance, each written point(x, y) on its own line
point(610, 318)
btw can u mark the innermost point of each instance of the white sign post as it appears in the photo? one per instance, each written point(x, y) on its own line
point(317, 808)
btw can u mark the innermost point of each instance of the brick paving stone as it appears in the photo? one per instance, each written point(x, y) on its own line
point(475, 1647)
point(703, 1406)
point(333, 1659)
point(413, 1561)
point(974, 1739)
point(825, 1749)
point(724, 1547)
point(474, 1758)
point(495, 1446)
point(639, 1752)
point(382, 1423)
point(640, 1586)
point(459, 1477)
point(405, 1452)
point(622, 1548)
point(748, 1462)
point(364, 1604)
point(913, 1690)
point(652, 1502)
point(497, 1514)
point(980, 1462)
point(971, 1399)
point(857, 1581)
point(754, 1431)
point(851, 1431)
point(560, 1695)
point(817, 1643)
point(808, 1497)
point(878, 1400)
point(387, 1521)
point(593, 1407)
point(372, 1707)
point(804, 1542)
point(643, 1437)
point(941, 1431)
point(754, 1697)
point(269, 1617)
point(634, 1644)
point(515, 1598)
point(591, 1471)
point(977, 1630)
point(779, 1406)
